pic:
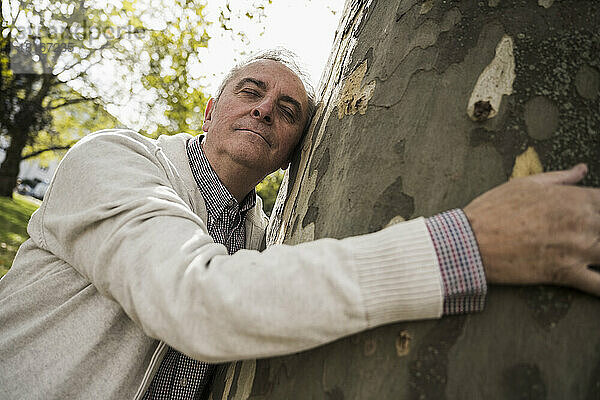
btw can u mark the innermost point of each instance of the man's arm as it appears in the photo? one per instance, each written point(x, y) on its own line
point(115, 213)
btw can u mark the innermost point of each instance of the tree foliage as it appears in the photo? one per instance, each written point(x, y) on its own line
point(170, 53)
point(63, 62)
point(268, 188)
point(35, 49)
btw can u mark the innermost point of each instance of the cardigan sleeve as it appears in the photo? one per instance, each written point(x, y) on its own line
point(113, 214)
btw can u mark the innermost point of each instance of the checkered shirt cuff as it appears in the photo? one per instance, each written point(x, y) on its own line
point(460, 262)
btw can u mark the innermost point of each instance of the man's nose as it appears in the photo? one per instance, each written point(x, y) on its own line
point(264, 110)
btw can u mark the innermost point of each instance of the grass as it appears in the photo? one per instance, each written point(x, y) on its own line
point(14, 215)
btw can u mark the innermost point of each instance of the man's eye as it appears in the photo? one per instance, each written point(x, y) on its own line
point(288, 114)
point(250, 92)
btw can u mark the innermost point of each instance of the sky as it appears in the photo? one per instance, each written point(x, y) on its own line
point(306, 27)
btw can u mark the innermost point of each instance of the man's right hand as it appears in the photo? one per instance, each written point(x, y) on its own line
point(540, 230)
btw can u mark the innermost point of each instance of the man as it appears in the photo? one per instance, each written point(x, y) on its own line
point(136, 268)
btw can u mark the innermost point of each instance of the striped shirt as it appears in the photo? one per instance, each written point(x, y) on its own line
point(463, 280)
point(179, 376)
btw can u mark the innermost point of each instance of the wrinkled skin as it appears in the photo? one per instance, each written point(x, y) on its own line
point(540, 230)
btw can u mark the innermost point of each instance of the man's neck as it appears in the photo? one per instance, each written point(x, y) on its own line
point(238, 179)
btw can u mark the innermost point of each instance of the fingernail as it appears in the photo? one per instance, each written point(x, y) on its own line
point(581, 168)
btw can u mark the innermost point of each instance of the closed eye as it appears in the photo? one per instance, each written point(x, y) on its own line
point(288, 114)
point(250, 92)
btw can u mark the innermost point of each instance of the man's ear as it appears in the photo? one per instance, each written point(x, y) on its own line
point(208, 114)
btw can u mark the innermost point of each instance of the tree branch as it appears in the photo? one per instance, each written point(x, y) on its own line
point(53, 148)
point(91, 52)
point(69, 102)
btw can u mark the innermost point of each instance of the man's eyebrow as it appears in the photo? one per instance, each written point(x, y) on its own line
point(260, 84)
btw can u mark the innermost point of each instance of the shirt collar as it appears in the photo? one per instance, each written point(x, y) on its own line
point(215, 194)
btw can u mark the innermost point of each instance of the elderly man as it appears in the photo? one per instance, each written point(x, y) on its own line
point(135, 278)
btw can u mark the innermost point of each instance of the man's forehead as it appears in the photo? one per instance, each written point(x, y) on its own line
point(273, 73)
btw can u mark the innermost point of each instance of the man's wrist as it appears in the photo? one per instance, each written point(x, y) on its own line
point(461, 268)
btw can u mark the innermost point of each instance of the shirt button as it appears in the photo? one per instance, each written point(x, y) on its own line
point(183, 382)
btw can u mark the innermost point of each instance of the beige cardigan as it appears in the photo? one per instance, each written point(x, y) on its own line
point(120, 263)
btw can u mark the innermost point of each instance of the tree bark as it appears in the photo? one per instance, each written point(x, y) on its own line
point(9, 170)
point(425, 106)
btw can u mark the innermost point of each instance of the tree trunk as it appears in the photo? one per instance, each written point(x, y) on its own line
point(425, 106)
point(9, 169)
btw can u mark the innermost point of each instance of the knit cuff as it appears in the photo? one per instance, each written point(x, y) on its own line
point(398, 273)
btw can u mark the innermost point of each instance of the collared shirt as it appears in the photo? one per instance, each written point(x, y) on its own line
point(463, 279)
point(463, 276)
point(179, 376)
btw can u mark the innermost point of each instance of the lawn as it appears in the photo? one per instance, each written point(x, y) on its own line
point(14, 214)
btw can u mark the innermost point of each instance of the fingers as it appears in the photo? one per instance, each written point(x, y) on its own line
point(588, 280)
point(565, 177)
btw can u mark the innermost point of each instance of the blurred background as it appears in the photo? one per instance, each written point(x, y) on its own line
point(69, 68)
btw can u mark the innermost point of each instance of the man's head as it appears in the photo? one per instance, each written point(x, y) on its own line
point(260, 113)
point(286, 58)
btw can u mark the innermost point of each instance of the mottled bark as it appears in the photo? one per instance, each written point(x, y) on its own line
point(425, 106)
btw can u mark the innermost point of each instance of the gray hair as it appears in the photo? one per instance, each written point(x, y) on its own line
point(287, 58)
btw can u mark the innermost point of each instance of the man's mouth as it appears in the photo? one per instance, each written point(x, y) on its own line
point(255, 133)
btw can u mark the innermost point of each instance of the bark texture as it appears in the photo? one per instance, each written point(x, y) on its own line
point(427, 104)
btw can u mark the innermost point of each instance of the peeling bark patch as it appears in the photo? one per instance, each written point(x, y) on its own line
point(403, 343)
point(426, 6)
point(322, 166)
point(335, 394)
point(587, 82)
point(594, 386)
point(541, 117)
point(392, 198)
point(233, 382)
point(527, 163)
point(548, 304)
point(428, 373)
point(311, 215)
point(295, 223)
point(495, 81)
point(399, 147)
point(524, 381)
point(218, 385)
point(545, 3)
point(263, 385)
point(354, 97)
point(397, 219)
point(370, 346)
point(245, 379)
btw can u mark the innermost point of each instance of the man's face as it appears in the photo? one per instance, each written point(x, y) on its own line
point(258, 119)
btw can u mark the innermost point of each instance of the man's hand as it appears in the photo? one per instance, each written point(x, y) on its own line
point(540, 230)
